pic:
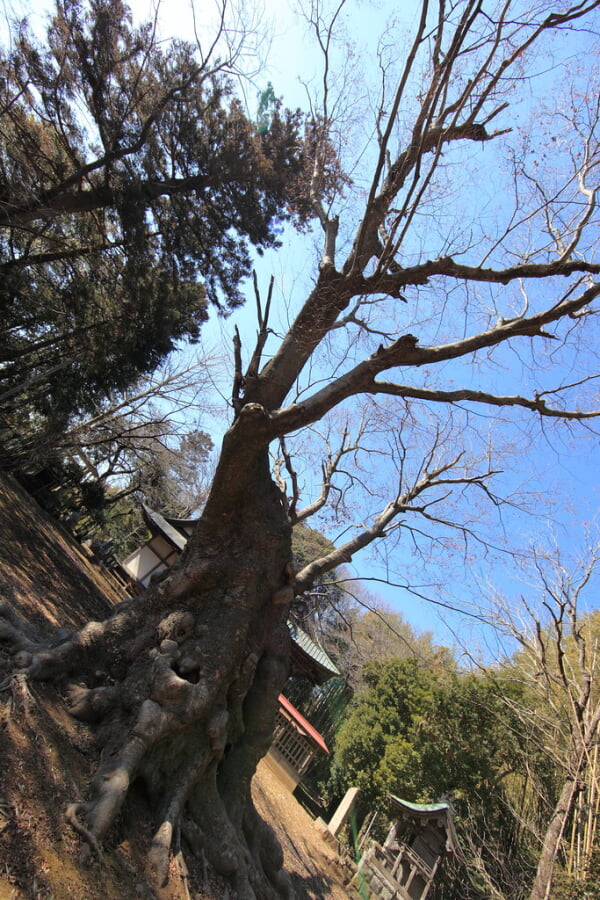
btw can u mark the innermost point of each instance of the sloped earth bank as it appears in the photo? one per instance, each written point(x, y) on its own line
point(47, 758)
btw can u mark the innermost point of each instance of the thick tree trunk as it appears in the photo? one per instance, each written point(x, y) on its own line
point(185, 680)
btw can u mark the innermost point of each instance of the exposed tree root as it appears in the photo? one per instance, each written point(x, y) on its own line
point(91, 842)
point(92, 704)
point(15, 631)
point(265, 847)
point(180, 687)
point(21, 700)
point(182, 871)
point(164, 838)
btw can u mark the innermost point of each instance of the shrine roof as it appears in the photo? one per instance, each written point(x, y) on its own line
point(430, 812)
point(158, 524)
point(420, 807)
point(303, 724)
point(324, 666)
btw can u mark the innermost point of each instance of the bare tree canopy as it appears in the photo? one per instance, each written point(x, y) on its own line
point(413, 275)
point(557, 644)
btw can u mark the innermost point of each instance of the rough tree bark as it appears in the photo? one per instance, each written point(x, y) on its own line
point(184, 680)
point(190, 672)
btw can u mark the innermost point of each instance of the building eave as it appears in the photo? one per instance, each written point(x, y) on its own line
point(427, 812)
point(303, 723)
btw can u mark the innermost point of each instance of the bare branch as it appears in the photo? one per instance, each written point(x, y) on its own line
point(329, 468)
point(263, 327)
point(405, 352)
point(238, 378)
point(403, 503)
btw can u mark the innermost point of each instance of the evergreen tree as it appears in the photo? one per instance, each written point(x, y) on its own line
point(427, 734)
point(132, 184)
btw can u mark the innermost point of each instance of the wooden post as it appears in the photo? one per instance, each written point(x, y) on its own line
point(342, 813)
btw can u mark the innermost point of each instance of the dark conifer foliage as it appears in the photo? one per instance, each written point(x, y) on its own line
point(131, 186)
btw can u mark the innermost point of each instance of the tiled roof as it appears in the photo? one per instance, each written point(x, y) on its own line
point(157, 522)
point(325, 664)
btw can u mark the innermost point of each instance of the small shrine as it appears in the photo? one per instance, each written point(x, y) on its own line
point(295, 743)
point(404, 868)
point(157, 555)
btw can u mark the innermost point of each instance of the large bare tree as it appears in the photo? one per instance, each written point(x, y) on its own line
point(408, 298)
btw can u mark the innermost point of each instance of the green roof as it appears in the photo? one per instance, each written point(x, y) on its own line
point(313, 650)
point(421, 807)
point(423, 810)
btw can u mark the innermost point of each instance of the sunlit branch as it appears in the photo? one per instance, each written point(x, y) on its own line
point(391, 283)
point(328, 469)
point(561, 711)
point(438, 122)
point(371, 220)
point(428, 598)
point(538, 404)
point(406, 352)
point(263, 327)
point(379, 527)
point(373, 610)
point(332, 295)
point(286, 459)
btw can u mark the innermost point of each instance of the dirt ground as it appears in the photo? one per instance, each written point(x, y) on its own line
point(46, 757)
point(314, 865)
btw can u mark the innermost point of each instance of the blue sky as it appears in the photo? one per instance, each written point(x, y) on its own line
point(556, 463)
